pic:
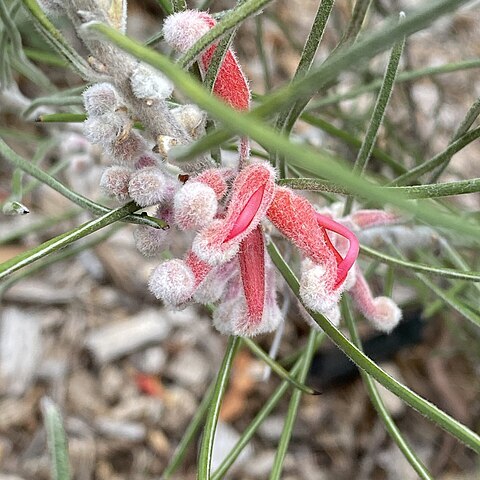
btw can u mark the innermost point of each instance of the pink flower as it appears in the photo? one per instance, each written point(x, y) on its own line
point(252, 193)
point(228, 264)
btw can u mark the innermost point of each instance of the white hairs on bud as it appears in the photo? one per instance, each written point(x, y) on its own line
point(209, 251)
point(104, 129)
point(148, 186)
point(172, 282)
point(150, 241)
point(127, 150)
point(183, 29)
point(385, 315)
point(115, 180)
point(191, 118)
point(316, 288)
point(148, 83)
point(195, 206)
point(99, 99)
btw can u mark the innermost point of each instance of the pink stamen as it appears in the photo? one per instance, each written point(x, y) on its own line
point(247, 214)
point(346, 264)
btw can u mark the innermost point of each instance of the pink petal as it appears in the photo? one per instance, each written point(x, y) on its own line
point(252, 267)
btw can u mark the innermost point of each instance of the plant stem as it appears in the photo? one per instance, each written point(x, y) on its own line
point(377, 116)
point(277, 368)
point(293, 409)
point(419, 267)
point(190, 433)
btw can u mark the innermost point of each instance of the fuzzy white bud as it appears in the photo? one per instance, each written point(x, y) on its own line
point(148, 83)
point(195, 206)
point(173, 282)
point(99, 99)
point(148, 186)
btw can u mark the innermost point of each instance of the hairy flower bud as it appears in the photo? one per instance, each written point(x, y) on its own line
point(191, 118)
point(148, 186)
point(195, 206)
point(382, 312)
point(173, 282)
point(114, 182)
point(147, 82)
point(99, 99)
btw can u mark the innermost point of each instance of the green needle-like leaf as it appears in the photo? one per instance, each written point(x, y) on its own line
point(61, 241)
point(57, 441)
point(80, 200)
point(206, 447)
point(379, 406)
point(190, 433)
point(293, 409)
point(377, 115)
point(277, 368)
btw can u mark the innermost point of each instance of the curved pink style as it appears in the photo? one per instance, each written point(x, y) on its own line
point(354, 247)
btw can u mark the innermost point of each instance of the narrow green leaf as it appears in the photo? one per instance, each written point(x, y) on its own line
point(56, 39)
point(57, 440)
point(377, 116)
point(68, 252)
point(402, 77)
point(433, 413)
point(189, 435)
point(377, 402)
point(352, 140)
point(166, 6)
point(419, 267)
point(61, 241)
point(354, 26)
point(438, 159)
point(206, 447)
point(463, 128)
point(292, 410)
point(57, 100)
point(62, 118)
point(80, 200)
point(265, 411)
point(288, 117)
point(429, 191)
point(42, 56)
point(277, 368)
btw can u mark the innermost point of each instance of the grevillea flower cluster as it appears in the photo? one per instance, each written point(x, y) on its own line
point(226, 209)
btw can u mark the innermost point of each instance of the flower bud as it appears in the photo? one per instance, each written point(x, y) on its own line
point(99, 99)
point(195, 206)
point(115, 180)
point(173, 282)
point(148, 186)
point(149, 83)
